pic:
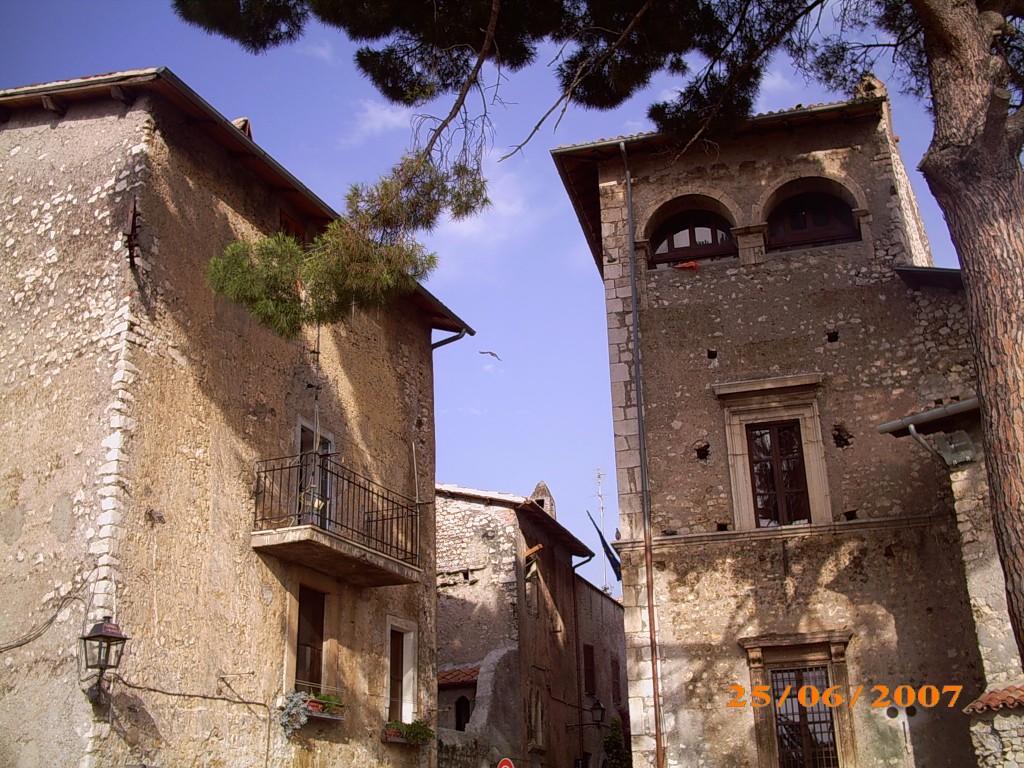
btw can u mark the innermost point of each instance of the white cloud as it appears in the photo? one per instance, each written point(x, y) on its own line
point(322, 50)
point(374, 118)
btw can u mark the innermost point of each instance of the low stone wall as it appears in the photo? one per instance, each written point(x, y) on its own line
point(998, 738)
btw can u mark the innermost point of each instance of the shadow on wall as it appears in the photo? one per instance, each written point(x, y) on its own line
point(791, 585)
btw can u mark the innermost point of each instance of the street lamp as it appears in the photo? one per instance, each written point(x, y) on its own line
point(597, 711)
point(102, 647)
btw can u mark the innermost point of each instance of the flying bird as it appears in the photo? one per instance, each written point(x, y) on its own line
point(492, 354)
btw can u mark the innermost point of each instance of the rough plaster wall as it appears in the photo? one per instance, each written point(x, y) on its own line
point(601, 624)
point(233, 395)
point(548, 645)
point(64, 364)
point(897, 351)
point(185, 396)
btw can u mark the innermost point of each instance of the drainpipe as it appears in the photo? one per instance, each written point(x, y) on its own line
point(449, 340)
point(645, 491)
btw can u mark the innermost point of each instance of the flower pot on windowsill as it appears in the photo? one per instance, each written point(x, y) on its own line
point(325, 707)
point(414, 734)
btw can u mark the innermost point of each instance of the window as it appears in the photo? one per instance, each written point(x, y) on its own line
point(777, 477)
point(692, 236)
point(793, 735)
point(401, 694)
point(589, 673)
point(314, 477)
point(811, 218)
point(463, 710)
point(805, 737)
point(776, 456)
point(309, 643)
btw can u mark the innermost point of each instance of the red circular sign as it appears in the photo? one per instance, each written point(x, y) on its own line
point(505, 763)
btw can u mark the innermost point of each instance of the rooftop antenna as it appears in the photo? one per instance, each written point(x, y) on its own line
point(600, 502)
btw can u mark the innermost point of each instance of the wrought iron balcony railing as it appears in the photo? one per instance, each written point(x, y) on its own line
point(315, 490)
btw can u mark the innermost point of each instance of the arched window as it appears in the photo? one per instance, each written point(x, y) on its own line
point(811, 218)
point(463, 710)
point(692, 236)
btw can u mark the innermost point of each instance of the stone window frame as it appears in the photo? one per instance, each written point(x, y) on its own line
point(331, 681)
point(759, 401)
point(409, 630)
point(786, 651)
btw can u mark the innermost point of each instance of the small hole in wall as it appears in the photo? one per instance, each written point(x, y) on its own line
point(833, 337)
point(712, 354)
point(937, 401)
point(850, 514)
point(702, 451)
point(465, 575)
point(841, 436)
point(722, 527)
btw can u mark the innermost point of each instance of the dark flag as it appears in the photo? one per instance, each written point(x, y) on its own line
point(608, 551)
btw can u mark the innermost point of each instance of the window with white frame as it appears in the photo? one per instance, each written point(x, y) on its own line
point(401, 693)
point(776, 455)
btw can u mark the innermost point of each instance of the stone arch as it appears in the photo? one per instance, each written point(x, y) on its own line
point(703, 198)
point(843, 187)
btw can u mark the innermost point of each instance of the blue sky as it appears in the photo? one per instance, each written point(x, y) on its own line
point(520, 273)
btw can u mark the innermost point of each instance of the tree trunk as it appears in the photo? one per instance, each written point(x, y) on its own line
point(985, 221)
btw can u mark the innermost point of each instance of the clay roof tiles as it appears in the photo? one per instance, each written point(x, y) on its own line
point(1011, 697)
point(458, 675)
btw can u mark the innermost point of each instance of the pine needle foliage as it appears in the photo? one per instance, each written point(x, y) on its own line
point(361, 260)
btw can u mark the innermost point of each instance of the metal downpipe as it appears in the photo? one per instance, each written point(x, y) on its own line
point(645, 493)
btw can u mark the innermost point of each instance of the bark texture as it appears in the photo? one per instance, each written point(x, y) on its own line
point(973, 168)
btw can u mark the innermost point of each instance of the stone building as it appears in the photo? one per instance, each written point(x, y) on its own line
point(782, 306)
point(528, 651)
point(142, 417)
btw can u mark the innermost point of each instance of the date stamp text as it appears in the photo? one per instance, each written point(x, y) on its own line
point(926, 696)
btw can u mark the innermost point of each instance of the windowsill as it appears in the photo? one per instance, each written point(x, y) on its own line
point(325, 715)
point(835, 528)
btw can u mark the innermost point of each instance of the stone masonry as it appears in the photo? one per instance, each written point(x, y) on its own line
point(137, 405)
point(830, 339)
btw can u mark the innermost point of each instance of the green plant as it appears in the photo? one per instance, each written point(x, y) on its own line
point(616, 746)
point(331, 704)
point(295, 713)
point(416, 732)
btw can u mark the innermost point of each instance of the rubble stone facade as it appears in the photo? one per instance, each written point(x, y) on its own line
point(137, 404)
point(834, 560)
point(528, 644)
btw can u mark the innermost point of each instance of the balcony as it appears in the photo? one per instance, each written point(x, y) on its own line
point(314, 511)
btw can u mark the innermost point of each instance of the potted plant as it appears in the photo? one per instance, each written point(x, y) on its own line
point(417, 732)
point(327, 703)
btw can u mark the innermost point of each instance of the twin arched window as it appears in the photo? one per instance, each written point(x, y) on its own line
point(802, 220)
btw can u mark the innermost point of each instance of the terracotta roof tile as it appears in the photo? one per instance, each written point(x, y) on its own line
point(458, 675)
point(1011, 697)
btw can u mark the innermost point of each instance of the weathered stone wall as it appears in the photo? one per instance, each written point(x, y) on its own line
point(477, 579)
point(64, 363)
point(178, 395)
point(600, 622)
point(526, 633)
point(986, 584)
point(882, 560)
point(999, 738)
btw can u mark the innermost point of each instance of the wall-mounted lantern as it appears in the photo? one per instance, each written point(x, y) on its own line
point(102, 648)
point(596, 716)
